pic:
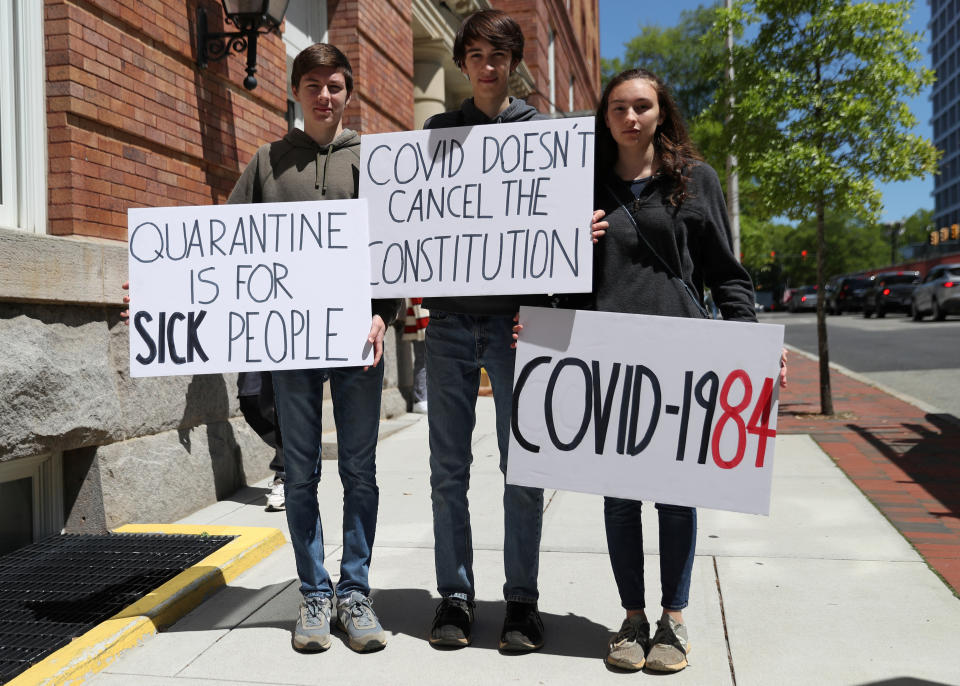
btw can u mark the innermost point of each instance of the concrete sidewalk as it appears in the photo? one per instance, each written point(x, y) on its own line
point(824, 591)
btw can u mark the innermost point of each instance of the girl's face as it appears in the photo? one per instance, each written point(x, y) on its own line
point(633, 114)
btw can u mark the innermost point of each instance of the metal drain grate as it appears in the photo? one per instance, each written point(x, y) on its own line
point(55, 590)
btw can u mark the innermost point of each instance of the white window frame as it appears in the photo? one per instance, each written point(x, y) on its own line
point(297, 38)
point(552, 67)
point(46, 480)
point(23, 132)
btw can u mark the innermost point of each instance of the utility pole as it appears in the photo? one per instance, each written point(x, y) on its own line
point(733, 184)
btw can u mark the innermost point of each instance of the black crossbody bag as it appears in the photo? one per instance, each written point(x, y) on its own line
point(666, 266)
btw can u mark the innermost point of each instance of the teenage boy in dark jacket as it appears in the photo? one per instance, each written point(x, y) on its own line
point(465, 334)
point(321, 163)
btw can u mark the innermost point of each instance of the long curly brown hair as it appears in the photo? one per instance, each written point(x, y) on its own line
point(674, 150)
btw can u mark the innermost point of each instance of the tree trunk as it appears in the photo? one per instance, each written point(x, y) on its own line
point(826, 397)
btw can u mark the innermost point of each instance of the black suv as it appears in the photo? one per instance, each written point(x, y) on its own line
point(890, 292)
point(847, 294)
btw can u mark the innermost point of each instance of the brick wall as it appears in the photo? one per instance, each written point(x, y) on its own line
point(377, 37)
point(576, 49)
point(133, 122)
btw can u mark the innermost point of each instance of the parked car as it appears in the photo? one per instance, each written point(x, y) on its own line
point(847, 294)
point(890, 292)
point(938, 294)
point(803, 298)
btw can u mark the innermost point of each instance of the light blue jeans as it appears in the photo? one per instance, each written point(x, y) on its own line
point(356, 412)
point(458, 346)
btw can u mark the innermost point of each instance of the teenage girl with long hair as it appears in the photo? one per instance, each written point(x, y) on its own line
point(668, 237)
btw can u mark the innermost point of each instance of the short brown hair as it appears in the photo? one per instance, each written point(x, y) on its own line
point(321, 55)
point(494, 26)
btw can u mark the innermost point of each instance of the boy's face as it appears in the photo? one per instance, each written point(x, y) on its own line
point(322, 95)
point(488, 68)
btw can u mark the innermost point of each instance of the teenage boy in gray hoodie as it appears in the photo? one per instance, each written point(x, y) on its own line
point(322, 163)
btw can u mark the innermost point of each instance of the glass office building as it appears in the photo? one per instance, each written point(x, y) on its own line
point(945, 54)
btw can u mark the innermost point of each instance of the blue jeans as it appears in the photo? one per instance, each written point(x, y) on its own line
point(678, 542)
point(458, 346)
point(356, 412)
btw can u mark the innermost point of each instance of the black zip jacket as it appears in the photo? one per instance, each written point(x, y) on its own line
point(694, 241)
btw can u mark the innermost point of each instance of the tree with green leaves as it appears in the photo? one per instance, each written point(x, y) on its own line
point(819, 113)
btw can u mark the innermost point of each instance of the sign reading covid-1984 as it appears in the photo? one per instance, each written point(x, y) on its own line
point(481, 210)
point(227, 288)
point(666, 409)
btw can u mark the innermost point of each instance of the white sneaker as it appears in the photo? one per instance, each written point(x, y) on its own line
point(276, 497)
point(420, 407)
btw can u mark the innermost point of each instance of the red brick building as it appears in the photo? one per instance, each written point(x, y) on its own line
point(103, 107)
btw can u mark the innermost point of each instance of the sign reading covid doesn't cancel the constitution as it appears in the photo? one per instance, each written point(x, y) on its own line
point(482, 210)
point(227, 288)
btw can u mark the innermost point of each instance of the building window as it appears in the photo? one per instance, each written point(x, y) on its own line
point(305, 24)
point(23, 135)
point(552, 68)
point(31, 500)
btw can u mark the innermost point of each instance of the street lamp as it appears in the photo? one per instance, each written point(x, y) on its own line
point(249, 16)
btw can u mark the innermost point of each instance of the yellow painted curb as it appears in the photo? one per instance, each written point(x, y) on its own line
point(163, 606)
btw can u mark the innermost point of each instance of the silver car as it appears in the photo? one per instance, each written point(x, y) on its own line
point(938, 294)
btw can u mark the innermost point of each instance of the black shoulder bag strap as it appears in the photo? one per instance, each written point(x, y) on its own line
point(666, 266)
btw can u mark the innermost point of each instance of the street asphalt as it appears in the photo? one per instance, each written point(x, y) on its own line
point(921, 359)
point(823, 591)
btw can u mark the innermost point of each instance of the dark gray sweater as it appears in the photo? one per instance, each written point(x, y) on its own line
point(693, 240)
point(469, 115)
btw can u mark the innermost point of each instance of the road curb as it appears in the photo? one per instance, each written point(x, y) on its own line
point(856, 376)
point(163, 606)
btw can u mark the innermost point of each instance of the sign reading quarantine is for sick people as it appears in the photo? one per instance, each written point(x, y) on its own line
point(664, 409)
point(481, 210)
point(227, 288)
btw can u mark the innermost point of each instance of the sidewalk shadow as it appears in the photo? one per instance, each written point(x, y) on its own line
point(930, 459)
point(411, 611)
point(904, 681)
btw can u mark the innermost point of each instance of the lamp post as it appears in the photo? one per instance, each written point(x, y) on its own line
point(251, 17)
point(895, 229)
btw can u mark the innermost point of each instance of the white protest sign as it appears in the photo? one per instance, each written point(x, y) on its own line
point(226, 288)
point(484, 210)
point(665, 409)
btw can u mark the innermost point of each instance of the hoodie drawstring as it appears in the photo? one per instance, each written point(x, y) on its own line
point(326, 160)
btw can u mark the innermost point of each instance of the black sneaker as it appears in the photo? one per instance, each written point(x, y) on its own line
point(522, 628)
point(452, 625)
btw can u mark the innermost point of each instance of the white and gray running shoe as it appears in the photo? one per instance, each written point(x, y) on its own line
point(276, 498)
point(312, 632)
point(359, 621)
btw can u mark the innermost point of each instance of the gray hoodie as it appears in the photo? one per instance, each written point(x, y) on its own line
point(296, 168)
point(469, 115)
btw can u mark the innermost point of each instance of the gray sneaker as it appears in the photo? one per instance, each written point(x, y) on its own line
point(670, 647)
point(628, 649)
point(358, 620)
point(312, 632)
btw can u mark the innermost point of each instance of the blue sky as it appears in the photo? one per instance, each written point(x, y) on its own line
point(620, 20)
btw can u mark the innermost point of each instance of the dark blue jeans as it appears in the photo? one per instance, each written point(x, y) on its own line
point(678, 543)
point(356, 412)
point(457, 347)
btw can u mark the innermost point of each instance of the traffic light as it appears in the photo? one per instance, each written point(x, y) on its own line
point(803, 254)
point(955, 232)
point(773, 254)
point(934, 237)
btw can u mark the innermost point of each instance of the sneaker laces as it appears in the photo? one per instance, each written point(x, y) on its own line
point(666, 636)
point(315, 611)
point(451, 602)
point(630, 633)
point(361, 610)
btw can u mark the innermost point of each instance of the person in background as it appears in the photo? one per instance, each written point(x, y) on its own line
point(415, 330)
point(255, 393)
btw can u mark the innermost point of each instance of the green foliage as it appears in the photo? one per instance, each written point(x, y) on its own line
point(916, 227)
point(820, 112)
